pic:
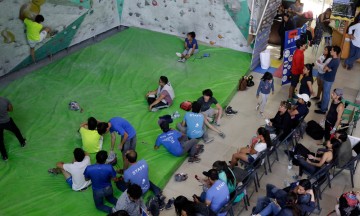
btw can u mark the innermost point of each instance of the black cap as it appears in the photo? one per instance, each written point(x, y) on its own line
point(213, 174)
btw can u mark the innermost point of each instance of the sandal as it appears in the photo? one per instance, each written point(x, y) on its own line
point(181, 177)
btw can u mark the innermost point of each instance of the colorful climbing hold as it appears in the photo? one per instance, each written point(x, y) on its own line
point(154, 3)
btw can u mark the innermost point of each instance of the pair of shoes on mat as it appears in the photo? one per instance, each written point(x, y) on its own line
point(54, 171)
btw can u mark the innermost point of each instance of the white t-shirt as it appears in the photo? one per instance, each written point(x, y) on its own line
point(259, 147)
point(76, 170)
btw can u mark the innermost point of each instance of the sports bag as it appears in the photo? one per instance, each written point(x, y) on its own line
point(314, 130)
point(242, 84)
point(186, 105)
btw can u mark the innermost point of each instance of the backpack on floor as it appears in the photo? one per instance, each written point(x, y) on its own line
point(347, 203)
point(242, 83)
point(186, 105)
point(314, 130)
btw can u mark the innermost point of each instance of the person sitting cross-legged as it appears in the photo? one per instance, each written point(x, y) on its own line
point(131, 201)
point(162, 97)
point(73, 172)
point(178, 143)
point(206, 101)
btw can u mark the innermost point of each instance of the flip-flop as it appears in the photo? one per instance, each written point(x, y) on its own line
point(181, 177)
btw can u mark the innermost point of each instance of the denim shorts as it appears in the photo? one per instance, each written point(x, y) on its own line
point(69, 181)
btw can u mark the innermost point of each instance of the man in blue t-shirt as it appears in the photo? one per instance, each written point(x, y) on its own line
point(122, 127)
point(137, 173)
point(193, 124)
point(191, 47)
point(177, 143)
point(329, 78)
point(101, 175)
point(217, 195)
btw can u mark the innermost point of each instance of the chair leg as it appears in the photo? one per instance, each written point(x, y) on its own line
point(265, 166)
point(329, 180)
point(245, 203)
point(268, 160)
point(276, 154)
point(247, 200)
point(257, 179)
point(255, 184)
point(352, 177)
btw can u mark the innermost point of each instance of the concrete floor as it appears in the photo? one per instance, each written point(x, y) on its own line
point(241, 127)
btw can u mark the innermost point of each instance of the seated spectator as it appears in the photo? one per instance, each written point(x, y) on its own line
point(183, 205)
point(73, 172)
point(162, 97)
point(131, 201)
point(311, 164)
point(290, 208)
point(345, 150)
point(305, 196)
point(119, 213)
point(101, 175)
point(217, 195)
point(349, 204)
point(178, 143)
point(281, 123)
point(92, 141)
point(137, 173)
point(191, 47)
point(205, 102)
point(300, 109)
point(250, 153)
point(194, 123)
point(226, 175)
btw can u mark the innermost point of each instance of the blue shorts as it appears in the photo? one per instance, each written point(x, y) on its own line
point(69, 181)
point(250, 159)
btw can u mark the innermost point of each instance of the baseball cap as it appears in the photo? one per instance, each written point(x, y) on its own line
point(339, 92)
point(213, 174)
point(305, 97)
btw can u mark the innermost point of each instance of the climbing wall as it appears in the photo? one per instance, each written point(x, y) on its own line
point(73, 20)
point(217, 22)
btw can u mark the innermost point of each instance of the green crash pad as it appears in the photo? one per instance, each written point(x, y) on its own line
point(107, 79)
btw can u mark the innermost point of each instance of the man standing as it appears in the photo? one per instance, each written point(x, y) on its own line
point(7, 123)
point(125, 130)
point(101, 175)
point(205, 102)
point(74, 172)
point(297, 66)
point(329, 78)
point(354, 33)
point(286, 25)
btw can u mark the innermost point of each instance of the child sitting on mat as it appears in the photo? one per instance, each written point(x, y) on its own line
point(191, 47)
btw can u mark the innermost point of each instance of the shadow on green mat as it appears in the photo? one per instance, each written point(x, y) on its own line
point(108, 79)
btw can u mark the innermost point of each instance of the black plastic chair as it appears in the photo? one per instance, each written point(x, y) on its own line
point(351, 166)
point(257, 164)
point(273, 150)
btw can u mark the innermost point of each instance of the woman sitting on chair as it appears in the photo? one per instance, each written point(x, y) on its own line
point(311, 163)
point(250, 153)
point(300, 109)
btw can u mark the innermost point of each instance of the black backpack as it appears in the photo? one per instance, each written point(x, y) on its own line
point(314, 130)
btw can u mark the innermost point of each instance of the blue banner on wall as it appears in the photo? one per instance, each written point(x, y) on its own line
point(289, 49)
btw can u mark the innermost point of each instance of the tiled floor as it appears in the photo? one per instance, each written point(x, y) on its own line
point(241, 127)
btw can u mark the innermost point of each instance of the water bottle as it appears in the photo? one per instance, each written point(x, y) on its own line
point(176, 115)
point(290, 165)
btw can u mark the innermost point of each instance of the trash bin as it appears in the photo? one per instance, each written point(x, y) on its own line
point(265, 59)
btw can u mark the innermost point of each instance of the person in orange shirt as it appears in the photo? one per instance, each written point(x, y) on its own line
point(297, 66)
